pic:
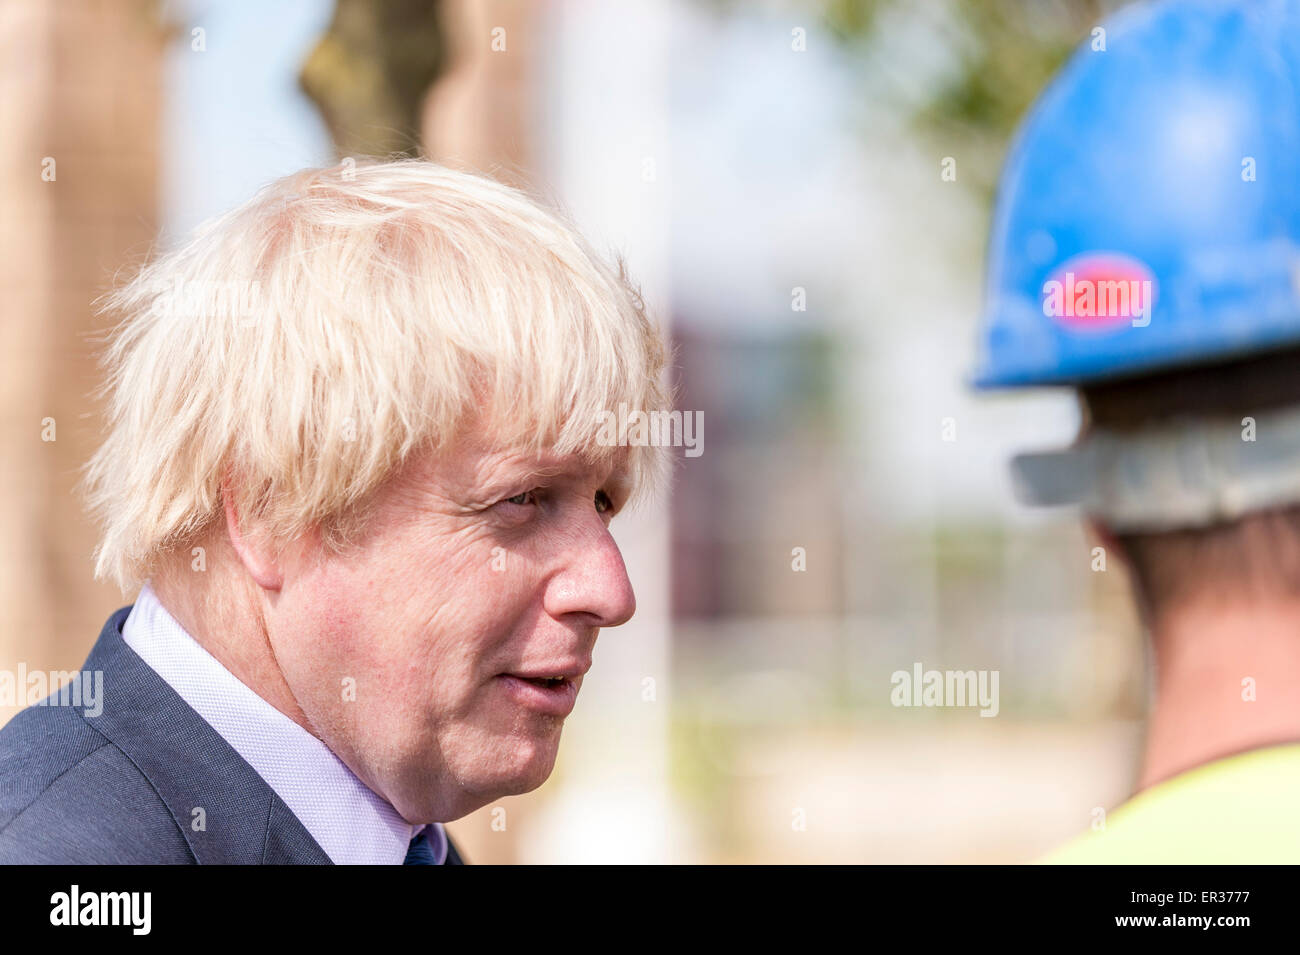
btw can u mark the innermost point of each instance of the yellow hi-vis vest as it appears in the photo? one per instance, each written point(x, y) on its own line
point(1241, 809)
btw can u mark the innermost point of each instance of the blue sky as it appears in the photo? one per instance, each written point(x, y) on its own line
point(234, 117)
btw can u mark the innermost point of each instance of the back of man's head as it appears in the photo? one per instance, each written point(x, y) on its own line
point(1244, 560)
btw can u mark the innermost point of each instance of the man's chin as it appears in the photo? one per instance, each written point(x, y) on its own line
point(526, 766)
point(484, 773)
point(519, 766)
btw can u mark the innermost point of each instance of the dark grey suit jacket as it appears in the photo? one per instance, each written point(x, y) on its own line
point(122, 786)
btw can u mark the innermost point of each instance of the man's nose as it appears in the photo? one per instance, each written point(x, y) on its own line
point(593, 581)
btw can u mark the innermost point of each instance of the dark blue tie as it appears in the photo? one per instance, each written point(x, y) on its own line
point(420, 852)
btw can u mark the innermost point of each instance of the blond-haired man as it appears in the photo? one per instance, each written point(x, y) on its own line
point(352, 464)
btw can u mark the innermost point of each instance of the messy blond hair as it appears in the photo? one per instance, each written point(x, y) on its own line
point(310, 340)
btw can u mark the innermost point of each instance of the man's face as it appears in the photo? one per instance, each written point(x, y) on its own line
point(419, 657)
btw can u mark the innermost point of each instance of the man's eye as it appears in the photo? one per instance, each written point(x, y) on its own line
point(603, 502)
point(524, 499)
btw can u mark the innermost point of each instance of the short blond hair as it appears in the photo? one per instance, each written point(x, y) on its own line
point(310, 340)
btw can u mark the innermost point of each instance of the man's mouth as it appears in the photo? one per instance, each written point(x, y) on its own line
point(552, 695)
point(546, 682)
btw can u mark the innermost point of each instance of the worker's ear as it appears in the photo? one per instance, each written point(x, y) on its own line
point(250, 543)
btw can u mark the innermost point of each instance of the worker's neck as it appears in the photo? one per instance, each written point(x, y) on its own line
point(1226, 682)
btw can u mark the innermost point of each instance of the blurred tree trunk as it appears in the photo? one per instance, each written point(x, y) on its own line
point(370, 72)
point(450, 80)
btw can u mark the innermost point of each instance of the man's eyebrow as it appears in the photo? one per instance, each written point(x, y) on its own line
point(509, 473)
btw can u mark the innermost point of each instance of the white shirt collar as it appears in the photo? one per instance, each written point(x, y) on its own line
point(350, 821)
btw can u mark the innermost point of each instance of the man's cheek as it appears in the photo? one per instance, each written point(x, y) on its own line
point(507, 582)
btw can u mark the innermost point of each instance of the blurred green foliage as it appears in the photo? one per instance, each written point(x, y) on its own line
point(958, 72)
point(998, 56)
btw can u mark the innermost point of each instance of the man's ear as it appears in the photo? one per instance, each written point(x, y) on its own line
point(262, 565)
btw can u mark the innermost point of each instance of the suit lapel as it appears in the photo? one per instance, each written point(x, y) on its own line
point(453, 857)
point(226, 811)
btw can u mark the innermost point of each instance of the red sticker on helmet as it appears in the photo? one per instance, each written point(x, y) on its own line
point(1099, 291)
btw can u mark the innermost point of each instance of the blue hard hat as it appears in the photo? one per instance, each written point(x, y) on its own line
point(1149, 211)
